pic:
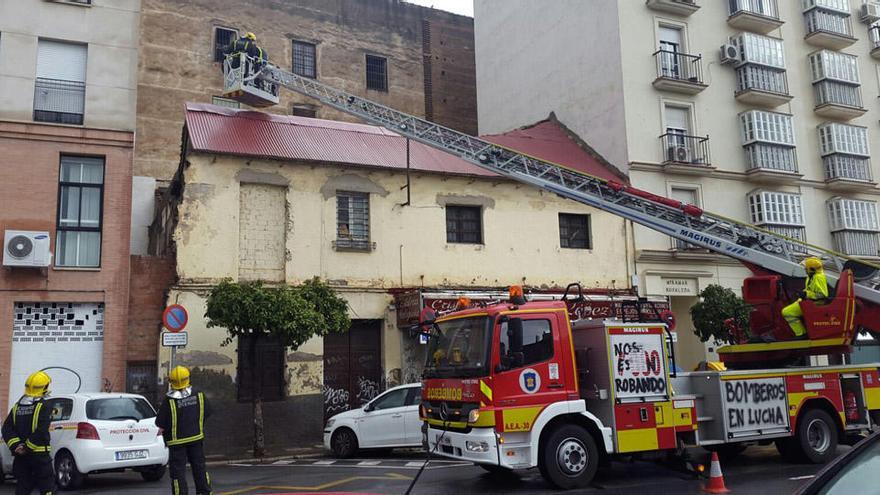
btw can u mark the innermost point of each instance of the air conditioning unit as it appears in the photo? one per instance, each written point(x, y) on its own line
point(729, 54)
point(678, 153)
point(870, 12)
point(26, 248)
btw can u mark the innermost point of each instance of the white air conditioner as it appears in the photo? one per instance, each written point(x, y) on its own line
point(678, 153)
point(870, 12)
point(729, 53)
point(26, 248)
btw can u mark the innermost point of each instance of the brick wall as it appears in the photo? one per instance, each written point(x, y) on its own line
point(261, 231)
point(150, 278)
point(450, 75)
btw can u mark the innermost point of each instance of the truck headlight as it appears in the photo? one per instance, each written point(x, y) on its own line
point(476, 446)
point(473, 416)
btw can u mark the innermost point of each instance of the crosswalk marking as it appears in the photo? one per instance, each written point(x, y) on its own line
point(369, 463)
point(414, 464)
point(284, 462)
point(323, 463)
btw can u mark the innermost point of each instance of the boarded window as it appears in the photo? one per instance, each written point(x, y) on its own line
point(305, 59)
point(223, 38)
point(268, 360)
point(377, 73)
point(464, 224)
point(352, 220)
point(574, 231)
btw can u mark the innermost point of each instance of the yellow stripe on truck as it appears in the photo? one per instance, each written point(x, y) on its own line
point(637, 440)
point(486, 389)
point(795, 399)
point(872, 397)
point(520, 418)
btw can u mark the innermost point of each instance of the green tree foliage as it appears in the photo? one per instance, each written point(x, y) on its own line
point(717, 305)
point(293, 315)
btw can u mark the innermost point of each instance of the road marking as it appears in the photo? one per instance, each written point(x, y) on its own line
point(414, 464)
point(369, 463)
point(798, 478)
point(323, 463)
point(318, 488)
point(284, 462)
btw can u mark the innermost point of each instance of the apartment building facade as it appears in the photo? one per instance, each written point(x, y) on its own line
point(776, 128)
point(67, 121)
point(332, 199)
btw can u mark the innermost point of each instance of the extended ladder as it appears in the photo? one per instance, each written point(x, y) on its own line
point(747, 243)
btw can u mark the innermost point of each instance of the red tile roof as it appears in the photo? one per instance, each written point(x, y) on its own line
point(214, 129)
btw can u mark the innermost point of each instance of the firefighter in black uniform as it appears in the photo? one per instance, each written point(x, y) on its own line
point(182, 419)
point(26, 433)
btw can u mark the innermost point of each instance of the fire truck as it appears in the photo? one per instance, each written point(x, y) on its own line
point(517, 385)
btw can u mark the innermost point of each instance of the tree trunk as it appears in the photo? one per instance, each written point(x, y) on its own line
point(257, 401)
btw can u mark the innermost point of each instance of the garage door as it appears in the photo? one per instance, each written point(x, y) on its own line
point(352, 366)
point(60, 336)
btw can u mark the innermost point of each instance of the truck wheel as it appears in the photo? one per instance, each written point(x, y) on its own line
point(816, 438)
point(153, 474)
point(569, 457)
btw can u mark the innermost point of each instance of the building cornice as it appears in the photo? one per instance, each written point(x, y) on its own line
point(676, 257)
point(38, 131)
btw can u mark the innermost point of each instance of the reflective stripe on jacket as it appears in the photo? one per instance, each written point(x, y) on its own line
point(816, 286)
point(183, 420)
point(28, 424)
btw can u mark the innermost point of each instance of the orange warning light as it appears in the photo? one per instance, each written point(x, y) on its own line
point(516, 294)
point(463, 303)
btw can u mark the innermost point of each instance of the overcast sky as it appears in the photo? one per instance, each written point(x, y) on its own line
point(463, 7)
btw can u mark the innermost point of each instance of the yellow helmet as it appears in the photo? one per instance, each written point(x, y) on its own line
point(813, 265)
point(251, 36)
point(179, 378)
point(37, 385)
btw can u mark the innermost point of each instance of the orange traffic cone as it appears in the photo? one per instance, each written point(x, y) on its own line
point(716, 479)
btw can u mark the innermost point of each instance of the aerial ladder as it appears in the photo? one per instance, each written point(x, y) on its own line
point(774, 259)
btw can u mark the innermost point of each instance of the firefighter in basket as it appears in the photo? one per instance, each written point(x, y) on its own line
point(815, 289)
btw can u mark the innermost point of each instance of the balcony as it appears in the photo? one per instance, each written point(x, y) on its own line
point(759, 16)
point(838, 100)
point(856, 242)
point(685, 154)
point(678, 72)
point(761, 86)
point(792, 232)
point(845, 172)
point(58, 101)
point(678, 7)
point(828, 29)
point(768, 162)
point(874, 35)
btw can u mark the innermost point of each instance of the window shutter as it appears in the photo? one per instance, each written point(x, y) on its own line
point(677, 118)
point(64, 61)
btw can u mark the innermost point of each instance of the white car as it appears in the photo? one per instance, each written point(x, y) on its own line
point(94, 433)
point(388, 421)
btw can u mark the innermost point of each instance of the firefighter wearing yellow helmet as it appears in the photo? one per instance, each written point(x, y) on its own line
point(182, 419)
point(815, 289)
point(26, 433)
point(246, 44)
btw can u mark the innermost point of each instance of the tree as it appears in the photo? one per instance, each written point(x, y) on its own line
point(717, 305)
point(292, 315)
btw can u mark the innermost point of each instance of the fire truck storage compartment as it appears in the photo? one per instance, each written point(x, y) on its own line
point(854, 408)
point(733, 406)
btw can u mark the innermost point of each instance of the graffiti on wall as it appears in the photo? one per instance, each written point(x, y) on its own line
point(335, 400)
point(366, 389)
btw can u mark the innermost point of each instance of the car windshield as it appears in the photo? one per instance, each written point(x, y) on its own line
point(119, 409)
point(460, 350)
point(858, 476)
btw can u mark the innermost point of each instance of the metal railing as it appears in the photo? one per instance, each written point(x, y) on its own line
point(874, 35)
point(679, 66)
point(758, 77)
point(681, 148)
point(850, 167)
point(767, 156)
point(856, 242)
point(766, 8)
point(819, 20)
point(837, 93)
point(59, 101)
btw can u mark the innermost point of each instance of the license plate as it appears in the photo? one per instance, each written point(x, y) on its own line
point(127, 455)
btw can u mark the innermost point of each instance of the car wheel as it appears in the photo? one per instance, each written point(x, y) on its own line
point(67, 475)
point(344, 443)
point(570, 457)
point(816, 439)
point(153, 474)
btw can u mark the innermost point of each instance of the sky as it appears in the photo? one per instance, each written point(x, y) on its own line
point(463, 7)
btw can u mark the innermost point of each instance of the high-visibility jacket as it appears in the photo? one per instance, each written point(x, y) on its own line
point(244, 45)
point(28, 424)
point(816, 286)
point(183, 420)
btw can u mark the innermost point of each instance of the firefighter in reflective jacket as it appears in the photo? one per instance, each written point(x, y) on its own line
point(815, 289)
point(247, 44)
point(182, 419)
point(26, 433)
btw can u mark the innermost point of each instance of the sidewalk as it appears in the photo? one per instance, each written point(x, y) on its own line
point(297, 453)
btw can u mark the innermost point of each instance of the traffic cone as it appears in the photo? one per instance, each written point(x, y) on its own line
point(716, 479)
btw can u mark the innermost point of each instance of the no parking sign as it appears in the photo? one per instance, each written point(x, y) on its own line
point(175, 317)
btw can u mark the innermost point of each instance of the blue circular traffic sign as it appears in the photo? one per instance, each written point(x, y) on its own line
point(175, 317)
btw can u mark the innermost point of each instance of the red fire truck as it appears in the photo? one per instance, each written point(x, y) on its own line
point(516, 385)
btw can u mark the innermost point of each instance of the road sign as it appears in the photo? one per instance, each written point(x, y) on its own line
point(175, 317)
point(174, 339)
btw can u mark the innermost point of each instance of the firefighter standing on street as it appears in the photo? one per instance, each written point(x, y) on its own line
point(815, 289)
point(182, 419)
point(26, 433)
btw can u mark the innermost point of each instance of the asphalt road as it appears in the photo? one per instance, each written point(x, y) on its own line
point(757, 471)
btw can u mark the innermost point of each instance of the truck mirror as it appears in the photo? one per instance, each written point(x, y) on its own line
point(515, 335)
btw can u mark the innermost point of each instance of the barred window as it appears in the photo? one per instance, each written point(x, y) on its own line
point(225, 102)
point(352, 220)
point(304, 59)
point(852, 214)
point(770, 207)
point(843, 138)
point(838, 5)
point(574, 231)
point(837, 66)
point(464, 224)
point(769, 127)
point(80, 208)
point(223, 38)
point(377, 73)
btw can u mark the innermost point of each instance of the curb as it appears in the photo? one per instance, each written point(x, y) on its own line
point(267, 460)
